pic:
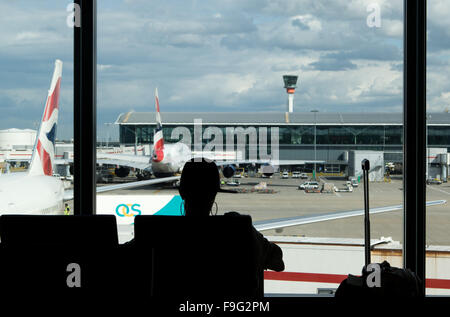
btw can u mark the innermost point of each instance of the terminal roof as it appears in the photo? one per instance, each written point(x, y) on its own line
point(276, 118)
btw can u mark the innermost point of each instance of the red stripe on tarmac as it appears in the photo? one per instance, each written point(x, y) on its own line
point(335, 278)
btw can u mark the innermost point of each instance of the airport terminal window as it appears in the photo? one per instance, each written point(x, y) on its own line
point(285, 136)
point(302, 134)
point(439, 136)
point(36, 66)
point(322, 135)
point(372, 135)
point(393, 135)
point(230, 59)
point(340, 135)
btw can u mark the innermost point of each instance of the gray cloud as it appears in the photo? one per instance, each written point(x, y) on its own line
point(298, 23)
point(332, 64)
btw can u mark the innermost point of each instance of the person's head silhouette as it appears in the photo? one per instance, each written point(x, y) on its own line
point(199, 184)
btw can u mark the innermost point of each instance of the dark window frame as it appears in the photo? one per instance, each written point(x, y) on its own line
point(414, 127)
point(85, 109)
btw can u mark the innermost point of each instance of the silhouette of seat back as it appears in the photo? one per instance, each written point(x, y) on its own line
point(197, 256)
point(99, 230)
point(38, 253)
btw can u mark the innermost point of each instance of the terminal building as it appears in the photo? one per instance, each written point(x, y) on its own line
point(314, 136)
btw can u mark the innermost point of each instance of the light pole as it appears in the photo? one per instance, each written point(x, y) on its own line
point(315, 149)
point(108, 127)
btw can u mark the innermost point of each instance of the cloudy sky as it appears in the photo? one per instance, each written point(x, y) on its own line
point(218, 56)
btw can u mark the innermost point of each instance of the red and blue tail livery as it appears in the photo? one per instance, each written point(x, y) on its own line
point(158, 139)
point(42, 161)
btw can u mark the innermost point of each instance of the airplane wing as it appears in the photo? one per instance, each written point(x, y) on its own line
point(143, 162)
point(302, 220)
point(135, 161)
point(68, 194)
point(139, 162)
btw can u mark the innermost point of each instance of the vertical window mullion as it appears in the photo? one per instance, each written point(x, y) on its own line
point(414, 136)
point(85, 95)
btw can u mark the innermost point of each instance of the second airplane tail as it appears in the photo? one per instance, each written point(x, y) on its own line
point(158, 138)
point(42, 160)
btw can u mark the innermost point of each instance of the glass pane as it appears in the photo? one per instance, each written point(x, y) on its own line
point(438, 129)
point(36, 100)
point(219, 67)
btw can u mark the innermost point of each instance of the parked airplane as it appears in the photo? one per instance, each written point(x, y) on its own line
point(169, 159)
point(165, 160)
point(36, 191)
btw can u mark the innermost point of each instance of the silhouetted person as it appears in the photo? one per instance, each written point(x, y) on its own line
point(199, 184)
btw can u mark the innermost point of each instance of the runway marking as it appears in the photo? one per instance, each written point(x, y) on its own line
point(438, 189)
point(337, 194)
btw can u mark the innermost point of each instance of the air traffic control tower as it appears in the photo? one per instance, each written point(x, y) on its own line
point(290, 82)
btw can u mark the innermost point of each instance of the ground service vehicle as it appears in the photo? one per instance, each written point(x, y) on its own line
point(309, 185)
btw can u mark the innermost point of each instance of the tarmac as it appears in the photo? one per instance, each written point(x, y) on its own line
point(288, 201)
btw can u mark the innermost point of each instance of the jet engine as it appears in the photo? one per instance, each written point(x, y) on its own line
point(228, 171)
point(122, 171)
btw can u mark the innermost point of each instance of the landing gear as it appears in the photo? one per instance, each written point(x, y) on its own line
point(143, 175)
point(122, 172)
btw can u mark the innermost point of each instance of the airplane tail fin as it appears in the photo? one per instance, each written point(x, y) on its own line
point(158, 138)
point(42, 160)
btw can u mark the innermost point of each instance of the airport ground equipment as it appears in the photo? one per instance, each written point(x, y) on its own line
point(328, 188)
point(312, 190)
point(347, 188)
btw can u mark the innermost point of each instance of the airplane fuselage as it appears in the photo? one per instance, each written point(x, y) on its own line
point(175, 156)
point(21, 193)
